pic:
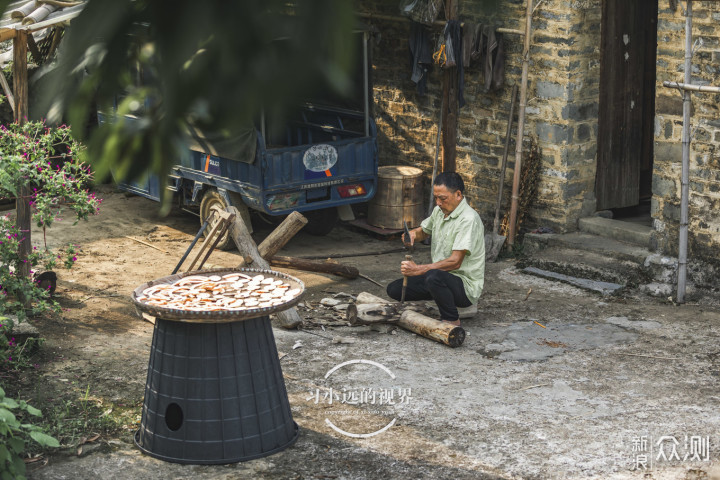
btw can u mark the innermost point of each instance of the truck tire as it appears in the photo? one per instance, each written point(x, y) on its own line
point(321, 222)
point(212, 199)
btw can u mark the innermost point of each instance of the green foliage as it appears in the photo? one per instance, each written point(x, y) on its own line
point(47, 161)
point(218, 64)
point(14, 436)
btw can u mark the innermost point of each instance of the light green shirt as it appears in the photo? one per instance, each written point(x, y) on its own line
point(461, 230)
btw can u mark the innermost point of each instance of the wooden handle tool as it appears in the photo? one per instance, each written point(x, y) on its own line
point(405, 278)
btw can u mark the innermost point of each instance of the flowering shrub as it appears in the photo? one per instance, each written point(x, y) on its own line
point(47, 161)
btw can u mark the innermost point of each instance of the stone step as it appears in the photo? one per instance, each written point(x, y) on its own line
point(627, 232)
point(591, 265)
point(587, 258)
point(586, 242)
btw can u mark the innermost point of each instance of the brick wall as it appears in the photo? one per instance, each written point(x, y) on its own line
point(561, 110)
point(704, 204)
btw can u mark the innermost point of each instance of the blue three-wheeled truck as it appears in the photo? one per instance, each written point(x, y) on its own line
point(319, 162)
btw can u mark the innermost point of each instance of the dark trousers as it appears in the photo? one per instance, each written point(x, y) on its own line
point(445, 288)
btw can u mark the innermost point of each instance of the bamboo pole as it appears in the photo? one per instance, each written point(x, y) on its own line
point(441, 23)
point(521, 125)
point(503, 165)
point(685, 184)
point(692, 88)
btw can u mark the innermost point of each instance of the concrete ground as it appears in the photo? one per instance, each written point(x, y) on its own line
point(552, 382)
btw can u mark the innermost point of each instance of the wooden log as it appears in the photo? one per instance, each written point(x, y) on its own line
point(245, 245)
point(372, 313)
point(279, 237)
point(365, 297)
point(315, 266)
point(439, 331)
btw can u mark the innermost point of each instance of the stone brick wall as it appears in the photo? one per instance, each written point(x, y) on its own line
point(704, 204)
point(561, 110)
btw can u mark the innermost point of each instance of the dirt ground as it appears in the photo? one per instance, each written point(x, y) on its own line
point(552, 382)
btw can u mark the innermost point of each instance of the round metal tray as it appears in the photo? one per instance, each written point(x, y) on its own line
point(221, 316)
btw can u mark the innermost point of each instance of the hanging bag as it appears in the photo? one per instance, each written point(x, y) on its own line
point(421, 11)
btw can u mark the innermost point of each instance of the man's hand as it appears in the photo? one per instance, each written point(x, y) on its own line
point(411, 269)
point(415, 234)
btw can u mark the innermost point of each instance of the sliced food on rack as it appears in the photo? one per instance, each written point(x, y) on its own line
point(234, 291)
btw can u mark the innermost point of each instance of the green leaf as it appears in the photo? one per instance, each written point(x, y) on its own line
point(34, 411)
point(7, 416)
point(4, 454)
point(44, 439)
point(17, 445)
point(19, 466)
point(8, 402)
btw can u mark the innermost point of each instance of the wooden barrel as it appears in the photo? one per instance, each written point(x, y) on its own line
point(399, 197)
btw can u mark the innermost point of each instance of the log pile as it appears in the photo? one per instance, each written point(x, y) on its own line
point(370, 309)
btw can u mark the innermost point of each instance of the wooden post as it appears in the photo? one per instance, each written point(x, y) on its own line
point(20, 90)
point(240, 234)
point(450, 102)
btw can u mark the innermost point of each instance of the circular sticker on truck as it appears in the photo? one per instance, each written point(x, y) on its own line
point(320, 158)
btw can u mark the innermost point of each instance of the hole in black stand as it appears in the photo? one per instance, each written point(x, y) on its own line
point(173, 416)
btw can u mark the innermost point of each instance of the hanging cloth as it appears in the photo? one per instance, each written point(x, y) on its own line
point(472, 43)
point(449, 54)
point(454, 33)
point(420, 55)
point(493, 58)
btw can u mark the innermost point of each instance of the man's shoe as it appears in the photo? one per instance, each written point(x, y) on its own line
point(452, 322)
point(467, 312)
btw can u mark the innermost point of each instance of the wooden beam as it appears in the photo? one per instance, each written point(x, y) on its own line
point(34, 50)
point(6, 35)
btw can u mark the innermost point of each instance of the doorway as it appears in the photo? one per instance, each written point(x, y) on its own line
point(626, 116)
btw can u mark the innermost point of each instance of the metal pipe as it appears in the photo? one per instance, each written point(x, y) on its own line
point(192, 244)
point(366, 83)
point(685, 184)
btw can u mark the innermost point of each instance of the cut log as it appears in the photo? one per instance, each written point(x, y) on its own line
point(315, 266)
point(439, 331)
point(365, 297)
point(245, 245)
point(371, 313)
point(277, 239)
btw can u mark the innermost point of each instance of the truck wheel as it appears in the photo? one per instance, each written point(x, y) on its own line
point(321, 222)
point(213, 200)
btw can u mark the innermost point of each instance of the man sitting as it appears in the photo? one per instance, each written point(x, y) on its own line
point(456, 276)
